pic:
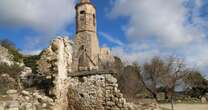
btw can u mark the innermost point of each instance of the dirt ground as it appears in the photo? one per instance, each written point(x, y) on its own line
point(186, 106)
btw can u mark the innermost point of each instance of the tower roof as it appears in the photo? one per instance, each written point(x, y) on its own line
point(84, 1)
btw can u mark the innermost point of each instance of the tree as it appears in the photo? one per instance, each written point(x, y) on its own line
point(164, 73)
point(196, 84)
point(31, 61)
point(174, 71)
point(7, 43)
point(130, 83)
point(117, 67)
point(151, 75)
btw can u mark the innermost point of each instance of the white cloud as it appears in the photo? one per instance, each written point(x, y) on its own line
point(41, 15)
point(199, 3)
point(162, 19)
point(32, 43)
point(33, 52)
point(141, 53)
point(161, 27)
point(45, 17)
point(130, 56)
point(197, 56)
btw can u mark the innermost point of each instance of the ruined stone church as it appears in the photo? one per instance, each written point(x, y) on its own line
point(59, 82)
point(88, 55)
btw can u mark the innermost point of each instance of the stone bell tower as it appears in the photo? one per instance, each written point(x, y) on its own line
point(86, 36)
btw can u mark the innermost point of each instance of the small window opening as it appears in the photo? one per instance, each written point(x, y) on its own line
point(82, 12)
point(94, 19)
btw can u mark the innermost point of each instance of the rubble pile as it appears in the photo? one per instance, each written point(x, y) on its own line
point(25, 100)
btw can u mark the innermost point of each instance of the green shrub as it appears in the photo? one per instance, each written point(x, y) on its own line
point(197, 84)
point(9, 77)
point(12, 70)
point(12, 49)
point(30, 61)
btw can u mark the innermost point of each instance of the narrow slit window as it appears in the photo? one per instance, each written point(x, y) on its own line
point(94, 21)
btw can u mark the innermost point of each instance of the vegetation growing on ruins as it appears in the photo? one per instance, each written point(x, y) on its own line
point(31, 61)
point(9, 77)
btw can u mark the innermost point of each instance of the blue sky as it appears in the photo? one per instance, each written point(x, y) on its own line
point(21, 33)
point(135, 30)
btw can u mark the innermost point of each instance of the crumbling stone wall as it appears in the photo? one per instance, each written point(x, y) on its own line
point(106, 56)
point(48, 63)
point(55, 63)
point(98, 92)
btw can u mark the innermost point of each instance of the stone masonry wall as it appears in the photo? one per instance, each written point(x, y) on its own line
point(105, 55)
point(98, 92)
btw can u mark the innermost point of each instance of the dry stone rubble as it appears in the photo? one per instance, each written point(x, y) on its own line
point(5, 57)
point(25, 100)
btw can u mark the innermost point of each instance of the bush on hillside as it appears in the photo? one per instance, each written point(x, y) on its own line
point(197, 84)
point(17, 56)
point(129, 81)
point(9, 76)
point(31, 61)
point(12, 70)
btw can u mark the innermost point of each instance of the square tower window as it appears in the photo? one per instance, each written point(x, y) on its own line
point(82, 12)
